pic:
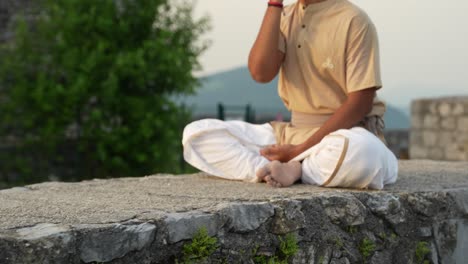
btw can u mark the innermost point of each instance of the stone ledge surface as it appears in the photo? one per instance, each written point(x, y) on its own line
point(148, 219)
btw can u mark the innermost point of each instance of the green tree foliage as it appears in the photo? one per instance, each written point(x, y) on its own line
point(87, 84)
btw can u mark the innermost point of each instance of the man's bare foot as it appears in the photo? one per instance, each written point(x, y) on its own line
point(277, 174)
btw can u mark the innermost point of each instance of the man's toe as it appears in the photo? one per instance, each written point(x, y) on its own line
point(263, 172)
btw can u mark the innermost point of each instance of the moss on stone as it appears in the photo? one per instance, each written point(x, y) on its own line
point(201, 247)
point(287, 249)
point(366, 247)
point(422, 249)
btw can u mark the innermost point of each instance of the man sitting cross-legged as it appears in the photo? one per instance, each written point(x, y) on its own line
point(327, 57)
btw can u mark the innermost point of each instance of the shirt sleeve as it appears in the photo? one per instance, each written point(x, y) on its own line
point(283, 28)
point(362, 56)
point(282, 43)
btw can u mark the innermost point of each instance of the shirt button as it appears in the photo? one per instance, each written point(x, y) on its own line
point(303, 26)
point(299, 46)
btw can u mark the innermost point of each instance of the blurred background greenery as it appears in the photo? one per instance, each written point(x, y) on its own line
point(86, 88)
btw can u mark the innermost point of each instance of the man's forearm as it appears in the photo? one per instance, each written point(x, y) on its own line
point(265, 59)
point(348, 115)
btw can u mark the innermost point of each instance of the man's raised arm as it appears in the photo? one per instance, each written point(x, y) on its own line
point(265, 59)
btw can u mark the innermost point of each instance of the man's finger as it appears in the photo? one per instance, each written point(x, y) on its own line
point(265, 151)
point(268, 157)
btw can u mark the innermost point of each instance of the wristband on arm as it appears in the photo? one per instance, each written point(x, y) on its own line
point(275, 4)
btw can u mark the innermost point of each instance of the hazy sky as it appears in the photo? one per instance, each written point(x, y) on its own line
point(424, 43)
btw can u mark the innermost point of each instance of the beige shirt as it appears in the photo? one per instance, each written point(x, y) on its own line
point(331, 49)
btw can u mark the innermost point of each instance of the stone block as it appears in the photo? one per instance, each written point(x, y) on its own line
point(42, 231)
point(425, 232)
point(181, 226)
point(115, 241)
point(418, 107)
point(458, 109)
point(288, 218)
point(417, 121)
point(345, 210)
point(455, 152)
point(461, 200)
point(343, 260)
point(427, 204)
point(436, 153)
point(418, 152)
point(445, 109)
point(387, 206)
point(416, 137)
point(431, 122)
point(463, 124)
point(460, 138)
point(305, 256)
point(451, 239)
point(433, 107)
point(380, 257)
point(41, 243)
point(434, 257)
point(429, 138)
point(446, 138)
point(247, 217)
point(448, 123)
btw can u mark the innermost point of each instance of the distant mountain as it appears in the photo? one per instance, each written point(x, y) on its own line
point(236, 88)
point(395, 118)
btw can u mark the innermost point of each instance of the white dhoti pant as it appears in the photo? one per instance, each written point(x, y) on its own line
point(353, 158)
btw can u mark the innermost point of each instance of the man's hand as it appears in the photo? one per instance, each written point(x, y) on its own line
point(283, 153)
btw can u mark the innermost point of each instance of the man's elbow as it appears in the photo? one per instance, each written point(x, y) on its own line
point(260, 76)
point(362, 101)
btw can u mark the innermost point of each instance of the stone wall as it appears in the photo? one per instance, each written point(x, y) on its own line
point(439, 129)
point(397, 142)
point(423, 218)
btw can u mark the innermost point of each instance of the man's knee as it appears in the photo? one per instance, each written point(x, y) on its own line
point(198, 127)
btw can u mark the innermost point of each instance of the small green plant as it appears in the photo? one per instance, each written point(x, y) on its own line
point(287, 249)
point(421, 252)
point(268, 260)
point(202, 246)
point(260, 259)
point(288, 246)
point(338, 242)
point(393, 236)
point(383, 235)
point(366, 247)
point(321, 260)
point(352, 229)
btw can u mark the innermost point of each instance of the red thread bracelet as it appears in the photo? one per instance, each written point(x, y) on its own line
point(275, 4)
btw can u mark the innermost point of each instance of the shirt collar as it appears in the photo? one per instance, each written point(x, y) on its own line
point(316, 7)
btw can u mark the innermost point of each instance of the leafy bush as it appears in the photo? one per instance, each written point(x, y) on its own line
point(86, 85)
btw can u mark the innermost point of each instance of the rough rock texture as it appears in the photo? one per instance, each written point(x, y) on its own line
point(150, 219)
point(439, 129)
